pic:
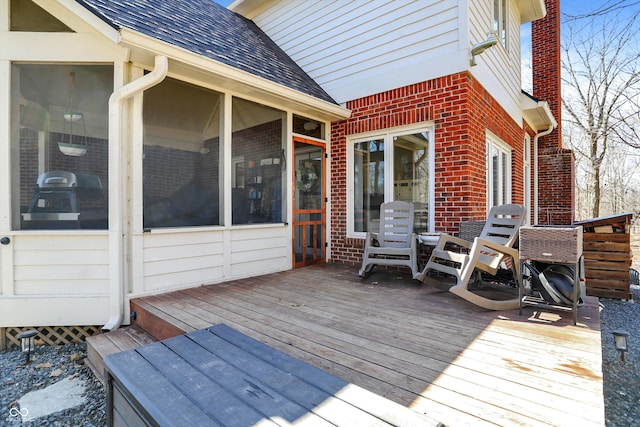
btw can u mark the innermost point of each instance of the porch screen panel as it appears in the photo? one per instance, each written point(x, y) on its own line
point(59, 145)
point(182, 156)
point(259, 161)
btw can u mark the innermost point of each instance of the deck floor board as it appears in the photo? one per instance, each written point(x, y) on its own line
point(414, 344)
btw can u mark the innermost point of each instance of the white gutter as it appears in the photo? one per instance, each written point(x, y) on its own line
point(535, 173)
point(116, 187)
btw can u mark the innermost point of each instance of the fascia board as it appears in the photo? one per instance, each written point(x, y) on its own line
point(537, 113)
point(531, 10)
point(151, 46)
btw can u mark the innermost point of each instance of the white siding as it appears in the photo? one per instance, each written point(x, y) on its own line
point(256, 253)
point(55, 265)
point(354, 49)
point(57, 280)
point(498, 69)
point(175, 259)
point(59, 310)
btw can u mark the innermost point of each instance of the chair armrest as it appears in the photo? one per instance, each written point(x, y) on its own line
point(447, 238)
point(479, 243)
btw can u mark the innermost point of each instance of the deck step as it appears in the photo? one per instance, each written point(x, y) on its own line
point(150, 325)
point(101, 346)
point(156, 323)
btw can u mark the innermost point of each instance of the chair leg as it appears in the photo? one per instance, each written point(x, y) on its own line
point(366, 269)
point(483, 302)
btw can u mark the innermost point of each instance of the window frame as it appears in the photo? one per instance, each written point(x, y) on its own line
point(500, 18)
point(387, 136)
point(504, 172)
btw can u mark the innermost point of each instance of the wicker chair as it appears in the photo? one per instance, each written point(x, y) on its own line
point(485, 253)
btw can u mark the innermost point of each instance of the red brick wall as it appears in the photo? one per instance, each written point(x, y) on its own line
point(545, 52)
point(462, 110)
point(556, 196)
point(556, 205)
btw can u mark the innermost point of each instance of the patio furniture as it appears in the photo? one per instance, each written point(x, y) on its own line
point(395, 244)
point(553, 256)
point(219, 376)
point(488, 253)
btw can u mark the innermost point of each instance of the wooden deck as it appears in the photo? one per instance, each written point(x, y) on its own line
point(414, 344)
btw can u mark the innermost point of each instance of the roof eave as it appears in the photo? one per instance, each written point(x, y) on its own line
point(537, 113)
point(145, 48)
point(531, 10)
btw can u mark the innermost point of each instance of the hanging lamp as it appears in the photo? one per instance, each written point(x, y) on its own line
point(70, 144)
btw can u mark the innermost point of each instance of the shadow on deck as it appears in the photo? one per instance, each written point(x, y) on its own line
point(411, 343)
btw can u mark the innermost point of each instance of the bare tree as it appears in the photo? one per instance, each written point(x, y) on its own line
point(601, 83)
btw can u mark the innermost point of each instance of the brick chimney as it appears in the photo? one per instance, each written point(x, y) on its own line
point(545, 50)
point(556, 170)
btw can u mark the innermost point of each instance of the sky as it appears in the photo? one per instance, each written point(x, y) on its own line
point(568, 10)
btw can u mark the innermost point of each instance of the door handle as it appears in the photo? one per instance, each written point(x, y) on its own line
point(5, 240)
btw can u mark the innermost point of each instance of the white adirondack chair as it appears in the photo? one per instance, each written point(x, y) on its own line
point(485, 254)
point(395, 244)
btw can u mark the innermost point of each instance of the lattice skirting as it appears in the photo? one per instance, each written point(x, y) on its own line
point(48, 335)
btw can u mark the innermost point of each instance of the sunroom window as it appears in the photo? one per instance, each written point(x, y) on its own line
point(498, 171)
point(59, 145)
point(182, 155)
point(395, 165)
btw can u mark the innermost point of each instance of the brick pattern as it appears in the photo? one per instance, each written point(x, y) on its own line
point(556, 203)
point(545, 40)
point(461, 109)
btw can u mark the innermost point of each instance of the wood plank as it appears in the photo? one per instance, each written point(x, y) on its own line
point(588, 238)
point(382, 409)
point(414, 344)
point(607, 247)
point(621, 275)
point(155, 322)
point(605, 265)
point(224, 403)
point(153, 392)
point(610, 293)
point(464, 374)
point(608, 256)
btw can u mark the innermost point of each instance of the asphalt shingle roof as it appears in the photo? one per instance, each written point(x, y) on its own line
point(208, 29)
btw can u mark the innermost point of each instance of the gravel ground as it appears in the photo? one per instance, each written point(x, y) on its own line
point(51, 364)
point(621, 380)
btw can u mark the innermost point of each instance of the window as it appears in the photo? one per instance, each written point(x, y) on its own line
point(498, 172)
point(396, 165)
point(500, 20)
point(182, 155)
point(527, 176)
point(308, 127)
point(258, 147)
point(60, 145)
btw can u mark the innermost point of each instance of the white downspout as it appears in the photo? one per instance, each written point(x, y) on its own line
point(116, 187)
point(535, 173)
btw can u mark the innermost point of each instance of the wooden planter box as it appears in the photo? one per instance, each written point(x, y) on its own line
point(607, 255)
